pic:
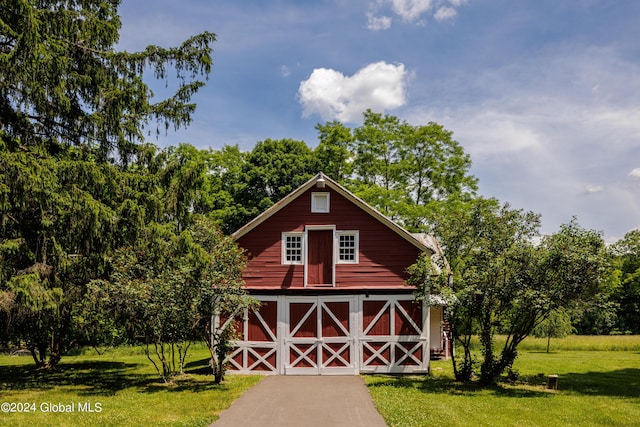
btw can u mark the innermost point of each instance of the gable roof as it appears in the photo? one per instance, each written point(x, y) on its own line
point(419, 241)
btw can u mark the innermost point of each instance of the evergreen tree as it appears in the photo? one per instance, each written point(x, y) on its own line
point(62, 81)
point(76, 179)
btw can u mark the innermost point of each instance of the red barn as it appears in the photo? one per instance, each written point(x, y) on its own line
point(330, 272)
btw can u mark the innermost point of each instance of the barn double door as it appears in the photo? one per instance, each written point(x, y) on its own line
point(319, 336)
point(333, 335)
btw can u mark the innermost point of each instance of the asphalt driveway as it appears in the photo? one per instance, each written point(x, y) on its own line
point(281, 400)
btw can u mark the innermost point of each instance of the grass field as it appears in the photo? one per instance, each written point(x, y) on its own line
point(119, 387)
point(599, 385)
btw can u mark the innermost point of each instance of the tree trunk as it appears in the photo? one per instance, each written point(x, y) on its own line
point(490, 375)
point(219, 372)
point(489, 364)
point(55, 353)
point(211, 337)
point(32, 350)
point(548, 342)
point(41, 356)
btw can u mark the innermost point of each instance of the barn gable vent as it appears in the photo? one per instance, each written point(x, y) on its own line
point(320, 202)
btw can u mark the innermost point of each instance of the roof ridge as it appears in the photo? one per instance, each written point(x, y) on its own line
point(321, 180)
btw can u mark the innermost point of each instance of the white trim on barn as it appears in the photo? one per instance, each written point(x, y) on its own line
point(336, 341)
point(415, 240)
point(313, 322)
point(318, 354)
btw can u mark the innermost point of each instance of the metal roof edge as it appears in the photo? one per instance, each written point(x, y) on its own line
point(401, 231)
point(280, 204)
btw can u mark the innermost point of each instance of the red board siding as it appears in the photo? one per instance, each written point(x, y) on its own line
point(261, 367)
point(336, 355)
point(382, 325)
point(414, 313)
point(303, 356)
point(257, 330)
point(383, 254)
point(409, 352)
point(336, 311)
point(381, 356)
point(236, 324)
point(299, 326)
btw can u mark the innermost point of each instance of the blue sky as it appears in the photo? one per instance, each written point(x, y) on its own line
point(543, 94)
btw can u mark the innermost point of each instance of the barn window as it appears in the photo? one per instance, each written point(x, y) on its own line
point(347, 247)
point(320, 202)
point(292, 248)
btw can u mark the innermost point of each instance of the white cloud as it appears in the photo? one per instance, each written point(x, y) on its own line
point(377, 23)
point(537, 133)
point(285, 71)
point(591, 189)
point(332, 95)
point(489, 130)
point(444, 13)
point(635, 174)
point(411, 10)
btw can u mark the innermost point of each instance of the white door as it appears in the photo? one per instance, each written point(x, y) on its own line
point(394, 337)
point(319, 336)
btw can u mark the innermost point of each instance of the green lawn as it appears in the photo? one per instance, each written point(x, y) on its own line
point(595, 388)
point(121, 389)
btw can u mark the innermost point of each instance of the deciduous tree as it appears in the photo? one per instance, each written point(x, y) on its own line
point(167, 287)
point(556, 325)
point(272, 170)
point(627, 295)
point(334, 150)
point(404, 171)
point(504, 281)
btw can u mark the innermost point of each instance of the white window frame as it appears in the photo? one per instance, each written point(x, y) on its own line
point(317, 206)
point(284, 259)
point(356, 235)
